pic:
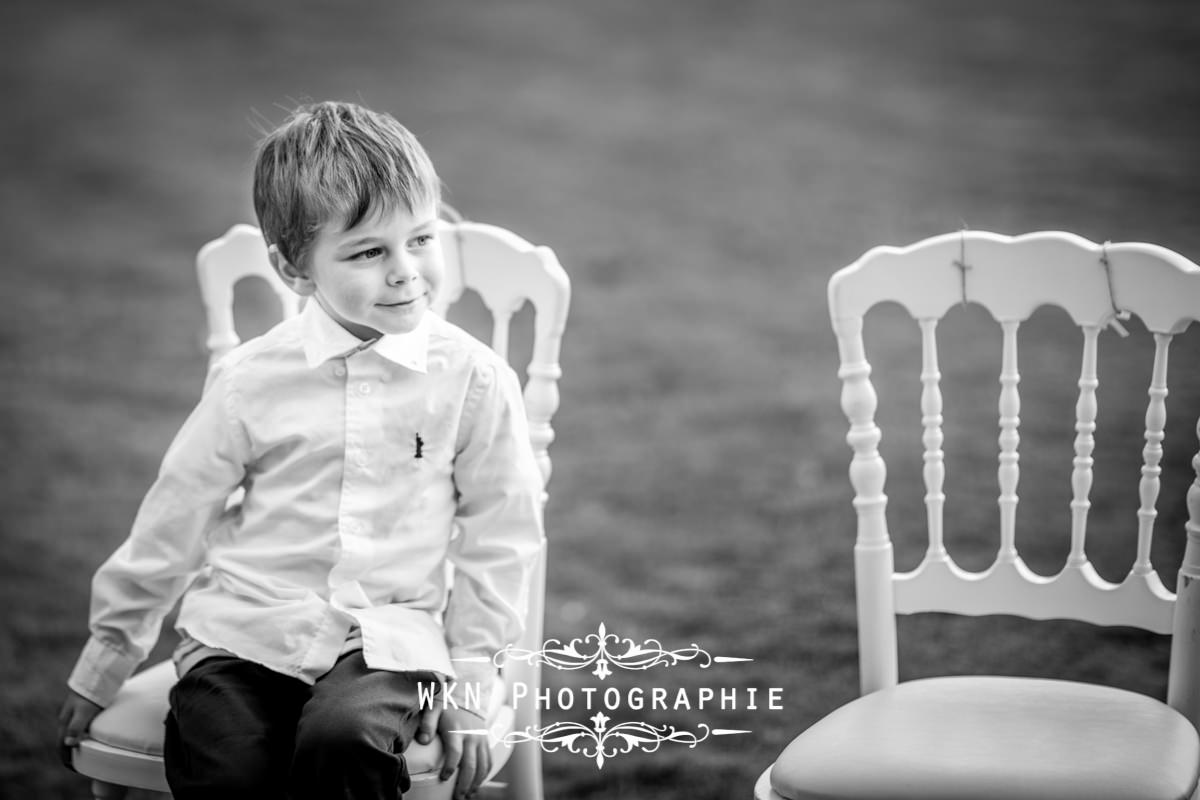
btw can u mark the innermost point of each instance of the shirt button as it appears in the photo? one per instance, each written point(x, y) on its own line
point(364, 388)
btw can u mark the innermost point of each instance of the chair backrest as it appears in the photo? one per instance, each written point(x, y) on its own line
point(1011, 277)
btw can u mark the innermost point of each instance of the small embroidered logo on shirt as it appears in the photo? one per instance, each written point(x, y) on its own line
point(420, 445)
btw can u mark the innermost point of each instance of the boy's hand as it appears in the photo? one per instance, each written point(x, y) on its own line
point(74, 718)
point(429, 724)
point(470, 754)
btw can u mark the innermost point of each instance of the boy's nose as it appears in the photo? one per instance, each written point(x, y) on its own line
point(402, 270)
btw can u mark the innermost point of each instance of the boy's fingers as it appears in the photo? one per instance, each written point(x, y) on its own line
point(64, 749)
point(483, 766)
point(428, 725)
point(72, 733)
point(72, 728)
point(69, 731)
point(75, 717)
point(466, 773)
point(453, 754)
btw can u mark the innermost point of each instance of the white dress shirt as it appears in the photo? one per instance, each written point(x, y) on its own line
point(366, 467)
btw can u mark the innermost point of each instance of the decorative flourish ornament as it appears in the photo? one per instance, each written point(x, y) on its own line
point(601, 742)
point(600, 649)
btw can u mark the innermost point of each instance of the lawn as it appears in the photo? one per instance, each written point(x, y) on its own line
point(700, 168)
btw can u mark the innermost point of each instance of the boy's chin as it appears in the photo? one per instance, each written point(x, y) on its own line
point(397, 327)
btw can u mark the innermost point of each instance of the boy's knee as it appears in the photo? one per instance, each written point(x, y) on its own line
point(335, 732)
point(337, 754)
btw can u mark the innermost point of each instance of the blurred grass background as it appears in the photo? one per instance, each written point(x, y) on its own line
point(700, 168)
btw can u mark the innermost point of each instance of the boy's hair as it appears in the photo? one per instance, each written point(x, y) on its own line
point(336, 161)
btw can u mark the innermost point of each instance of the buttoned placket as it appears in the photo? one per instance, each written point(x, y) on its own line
point(354, 525)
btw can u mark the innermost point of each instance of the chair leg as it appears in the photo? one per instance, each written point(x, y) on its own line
point(112, 791)
point(108, 791)
point(525, 772)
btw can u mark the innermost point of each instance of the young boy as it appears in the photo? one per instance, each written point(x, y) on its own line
point(374, 442)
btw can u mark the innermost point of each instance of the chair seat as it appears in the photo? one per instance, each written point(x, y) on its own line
point(125, 741)
point(993, 738)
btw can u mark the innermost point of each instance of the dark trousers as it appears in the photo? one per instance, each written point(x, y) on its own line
point(238, 730)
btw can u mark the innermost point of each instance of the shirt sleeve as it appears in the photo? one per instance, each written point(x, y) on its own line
point(135, 588)
point(499, 522)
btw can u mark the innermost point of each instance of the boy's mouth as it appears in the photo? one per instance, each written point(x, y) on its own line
point(401, 303)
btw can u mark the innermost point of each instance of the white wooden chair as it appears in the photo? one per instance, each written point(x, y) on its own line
point(990, 737)
point(124, 747)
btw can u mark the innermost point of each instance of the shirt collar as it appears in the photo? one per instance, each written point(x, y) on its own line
point(325, 339)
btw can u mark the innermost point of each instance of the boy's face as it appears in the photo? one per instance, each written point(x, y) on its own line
point(378, 277)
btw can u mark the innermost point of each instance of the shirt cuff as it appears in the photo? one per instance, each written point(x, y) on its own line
point(473, 687)
point(100, 672)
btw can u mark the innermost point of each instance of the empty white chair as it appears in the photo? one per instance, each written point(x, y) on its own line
point(994, 737)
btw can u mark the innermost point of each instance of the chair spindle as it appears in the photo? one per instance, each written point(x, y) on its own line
point(1156, 421)
point(1009, 470)
point(931, 419)
point(1085, 443)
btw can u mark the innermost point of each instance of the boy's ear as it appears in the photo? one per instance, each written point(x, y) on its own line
point(295, 278)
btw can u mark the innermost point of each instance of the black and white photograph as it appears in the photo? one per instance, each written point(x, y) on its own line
point(551, 400)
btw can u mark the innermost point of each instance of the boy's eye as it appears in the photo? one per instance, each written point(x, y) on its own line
point(371, 252)
point(423, 240)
